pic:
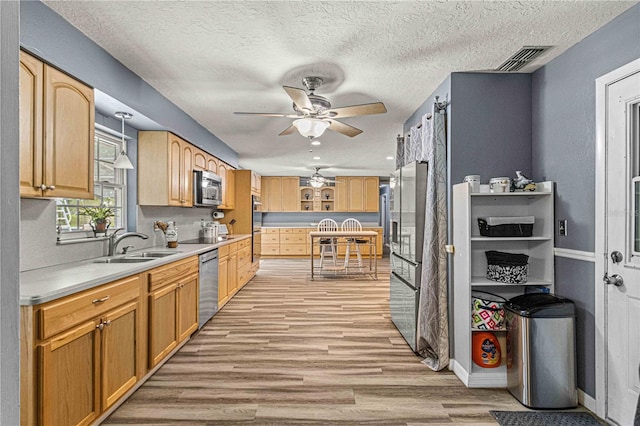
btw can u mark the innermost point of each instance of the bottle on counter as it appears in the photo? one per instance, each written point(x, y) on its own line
point(172, 235)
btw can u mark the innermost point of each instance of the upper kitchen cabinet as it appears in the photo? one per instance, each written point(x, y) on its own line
point(212, 164)
point(57, 118)
point(357, 193)
point(280, 194)
point(200, 159)
point(165, 170)
point(226, 172)
point(256, 183)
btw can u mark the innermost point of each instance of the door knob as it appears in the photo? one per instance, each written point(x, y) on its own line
point(616, 256)
point(615, 279)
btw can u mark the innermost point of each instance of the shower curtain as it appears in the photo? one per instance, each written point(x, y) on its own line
point(428, 143)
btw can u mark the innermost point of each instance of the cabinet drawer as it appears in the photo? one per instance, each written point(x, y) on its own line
point(270, 230)
point(244, 243)
point(293, 239)
point(270, 239)
point(223, 250)
point(270, 249)
point(60, 315)
point(244, 274)
point(163, 275)
point(244, 256)
point(286, 230)
point(301, 230)
point(294, 249)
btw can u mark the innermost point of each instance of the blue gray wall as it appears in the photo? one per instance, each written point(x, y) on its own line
point(305, 219)
point(563, 150)
point(49, 36)
point(9, 215)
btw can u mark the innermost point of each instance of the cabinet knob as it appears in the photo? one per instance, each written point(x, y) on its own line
point(107, 322)
point(42, 187)
point(100, 326)
point(51, 187)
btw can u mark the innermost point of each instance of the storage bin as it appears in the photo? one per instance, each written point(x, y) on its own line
point(506, 226)
point(487, 311)
point(510, 268)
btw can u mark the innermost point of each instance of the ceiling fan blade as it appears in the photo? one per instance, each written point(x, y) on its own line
point(300, 98)
point(269, 114)
point(343, 128)
point(289, 130)
point(355, 110)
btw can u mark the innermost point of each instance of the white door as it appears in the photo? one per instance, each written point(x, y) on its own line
point(622, 278)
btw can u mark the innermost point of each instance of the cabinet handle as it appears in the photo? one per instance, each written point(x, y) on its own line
point(104, 299)
point(42, 187)
point(100, 326)
point(51, 187)
point(107, 322)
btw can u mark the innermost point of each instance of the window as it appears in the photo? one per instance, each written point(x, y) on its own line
point(109, 188)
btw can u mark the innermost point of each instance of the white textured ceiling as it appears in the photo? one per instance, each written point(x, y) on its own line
point(214, 57)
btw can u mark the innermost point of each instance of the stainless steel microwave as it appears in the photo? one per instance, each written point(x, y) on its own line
point(207, 189)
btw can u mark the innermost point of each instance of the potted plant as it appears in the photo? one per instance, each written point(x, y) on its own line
point(99, 217)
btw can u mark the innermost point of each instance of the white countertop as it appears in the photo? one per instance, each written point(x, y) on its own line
point(46, 284)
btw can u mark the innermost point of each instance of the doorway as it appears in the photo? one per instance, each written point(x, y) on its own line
point(618, 243)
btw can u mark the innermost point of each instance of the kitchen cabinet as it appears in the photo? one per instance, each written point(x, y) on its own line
point(173, 306)
point(294, 242)
point(165, 170)
point(280, 194)
point(256, 183)
point(227, 272)
point(244, 262)
point(270, 244)
point(200, 159)
point(80, 353)
point(56, 132)
point(470, 266)
point(226, 172)
point(357, 193)
point(212, 164)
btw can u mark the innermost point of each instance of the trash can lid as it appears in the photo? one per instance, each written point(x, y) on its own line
point(540, 305)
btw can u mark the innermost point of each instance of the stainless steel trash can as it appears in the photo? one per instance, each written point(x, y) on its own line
point(541, 351)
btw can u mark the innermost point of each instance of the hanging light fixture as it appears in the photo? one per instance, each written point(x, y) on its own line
point(123, 162)
point(311, 127)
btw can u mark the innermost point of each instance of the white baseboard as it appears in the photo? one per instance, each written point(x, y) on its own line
point(587, 401)
point(586, 256)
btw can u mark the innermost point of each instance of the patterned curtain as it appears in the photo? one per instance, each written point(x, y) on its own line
point(433, 323)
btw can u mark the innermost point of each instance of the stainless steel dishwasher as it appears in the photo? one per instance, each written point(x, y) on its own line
point(208, 304)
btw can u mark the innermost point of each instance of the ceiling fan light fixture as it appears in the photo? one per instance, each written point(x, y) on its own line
point(316, 183)
point(311, 127)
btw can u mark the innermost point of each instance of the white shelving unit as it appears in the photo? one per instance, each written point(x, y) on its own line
point(470, 265)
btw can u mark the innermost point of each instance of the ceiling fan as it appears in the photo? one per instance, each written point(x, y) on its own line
point(314, 114)
point(317, 180)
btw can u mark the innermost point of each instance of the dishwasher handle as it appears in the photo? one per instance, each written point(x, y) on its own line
point(209, 256)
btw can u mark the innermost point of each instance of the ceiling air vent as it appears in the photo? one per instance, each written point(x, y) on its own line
point(522, 57)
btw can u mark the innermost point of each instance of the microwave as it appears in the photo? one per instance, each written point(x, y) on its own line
point(207, 189)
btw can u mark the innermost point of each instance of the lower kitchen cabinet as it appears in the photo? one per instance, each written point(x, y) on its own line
point(173, 306)
point(79, 354)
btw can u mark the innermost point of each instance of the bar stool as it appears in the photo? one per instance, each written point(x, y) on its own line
point(327, 225)
point(353, 225)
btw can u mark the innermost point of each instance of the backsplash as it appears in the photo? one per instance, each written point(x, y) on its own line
point(38, 247)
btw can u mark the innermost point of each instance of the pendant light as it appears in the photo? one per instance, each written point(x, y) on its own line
point(123, 162)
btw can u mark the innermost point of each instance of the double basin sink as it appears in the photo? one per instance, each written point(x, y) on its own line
point(144, 256)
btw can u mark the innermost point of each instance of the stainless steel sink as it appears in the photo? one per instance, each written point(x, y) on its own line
point(154, 254)
point(122, 260)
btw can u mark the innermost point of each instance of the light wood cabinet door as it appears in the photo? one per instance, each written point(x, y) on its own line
point(186, 174)
point(69, 376)
point(271, 194)
point(290, 194)
point(31, 78)
point(212, 164)
point(341, 194)
point(187, 307)
point(232, 282)
point(371, 193)
point(223, 280)
point(199, 159)
point(120, 355)
point(69, 136)
point(228, 186)
point(162, 323)
point(175, 163)
point(356, 194)
point(256, 183)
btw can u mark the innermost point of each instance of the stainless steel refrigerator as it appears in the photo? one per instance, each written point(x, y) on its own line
point(407, 213)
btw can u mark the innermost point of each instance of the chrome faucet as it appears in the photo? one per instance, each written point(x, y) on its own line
point(113, 241)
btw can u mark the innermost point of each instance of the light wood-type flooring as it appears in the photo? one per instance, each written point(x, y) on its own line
point(287, 350)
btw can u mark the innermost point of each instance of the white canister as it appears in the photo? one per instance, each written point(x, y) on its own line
point(500, 184)
point(474, 182)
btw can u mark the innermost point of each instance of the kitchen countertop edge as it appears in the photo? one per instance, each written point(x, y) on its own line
point(43, 285)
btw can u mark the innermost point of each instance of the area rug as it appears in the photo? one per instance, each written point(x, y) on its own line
point(545, 418)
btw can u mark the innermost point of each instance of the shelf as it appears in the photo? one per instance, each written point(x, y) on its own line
point(489, 331)
point(484, 282)
point(492, 239)
point(510, 194)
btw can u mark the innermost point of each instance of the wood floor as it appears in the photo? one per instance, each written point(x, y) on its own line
point(287, 350)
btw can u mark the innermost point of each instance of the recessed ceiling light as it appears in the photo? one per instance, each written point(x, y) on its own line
point(389, 158)
point(316, 142)
point(316, 158)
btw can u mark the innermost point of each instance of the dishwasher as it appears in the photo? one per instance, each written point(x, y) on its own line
point(208, 276)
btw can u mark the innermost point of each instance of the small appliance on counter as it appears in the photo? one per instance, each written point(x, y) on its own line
point(223, 232)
